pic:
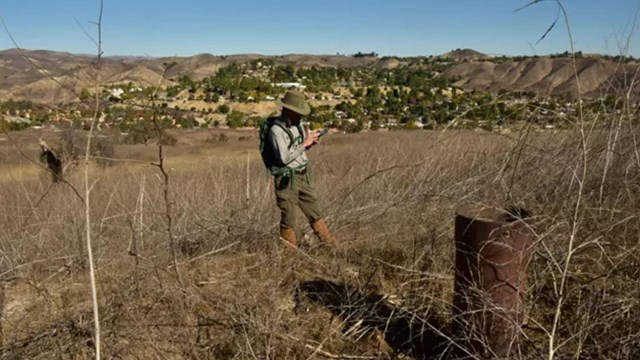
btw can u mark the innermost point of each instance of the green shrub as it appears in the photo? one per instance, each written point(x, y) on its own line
point(224, 108)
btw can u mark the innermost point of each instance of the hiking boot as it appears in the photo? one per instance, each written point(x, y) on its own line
point(288, 236)
point(320, 229)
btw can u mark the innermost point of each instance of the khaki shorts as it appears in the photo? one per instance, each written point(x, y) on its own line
point(296, 192)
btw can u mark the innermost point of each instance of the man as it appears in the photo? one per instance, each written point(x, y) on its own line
point(285, 154)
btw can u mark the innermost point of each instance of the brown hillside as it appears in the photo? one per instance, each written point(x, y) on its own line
point(389, 63)
point(43, 91)
point(27, 74)
point(464, 54)
point(543, 76)
point(20, 79)
point(20, 68)
point(137, 75)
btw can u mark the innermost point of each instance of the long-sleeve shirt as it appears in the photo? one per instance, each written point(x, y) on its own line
point(295, 156)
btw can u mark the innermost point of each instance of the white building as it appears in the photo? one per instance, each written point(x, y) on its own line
point(291, 85)
point(116, 93)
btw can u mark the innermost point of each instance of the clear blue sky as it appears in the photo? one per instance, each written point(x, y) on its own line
point(389, 27)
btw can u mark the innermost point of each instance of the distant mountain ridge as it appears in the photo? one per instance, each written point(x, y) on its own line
point(27, 74)
point(465, 54)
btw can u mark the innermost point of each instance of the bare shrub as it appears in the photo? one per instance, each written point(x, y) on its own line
point(143, 131)
point(72, 144)
point(216, 138)
point(103, 148)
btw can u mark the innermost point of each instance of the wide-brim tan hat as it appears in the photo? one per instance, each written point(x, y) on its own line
point(295, 101)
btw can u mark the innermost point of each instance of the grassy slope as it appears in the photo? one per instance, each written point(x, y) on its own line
point(390, 197)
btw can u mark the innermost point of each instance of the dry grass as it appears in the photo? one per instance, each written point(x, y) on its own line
point(390, 197)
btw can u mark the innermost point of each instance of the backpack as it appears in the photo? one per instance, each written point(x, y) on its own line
point(266, 151)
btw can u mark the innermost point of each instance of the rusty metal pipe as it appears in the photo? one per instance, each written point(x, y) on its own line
point(493, 249)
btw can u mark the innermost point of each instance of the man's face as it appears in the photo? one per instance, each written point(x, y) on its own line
point(293, 116)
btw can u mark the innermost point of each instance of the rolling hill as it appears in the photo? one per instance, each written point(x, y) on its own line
point(47, 76)
point(545, 76)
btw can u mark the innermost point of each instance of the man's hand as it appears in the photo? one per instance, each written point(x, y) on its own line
point(311, 140)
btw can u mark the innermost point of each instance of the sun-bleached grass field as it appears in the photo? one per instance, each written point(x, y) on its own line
point(390, 197)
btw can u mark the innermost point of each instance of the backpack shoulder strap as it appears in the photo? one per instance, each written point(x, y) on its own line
point(301, 131)
point(286, 129)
